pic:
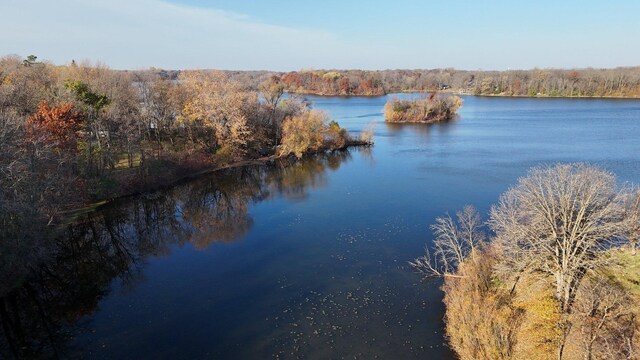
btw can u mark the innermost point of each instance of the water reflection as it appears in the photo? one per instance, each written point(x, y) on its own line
point(422, 130)
point(294, 181)
point(53, 289)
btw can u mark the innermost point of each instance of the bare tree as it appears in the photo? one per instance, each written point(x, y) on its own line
point(455, 241)
point(557, 220)
point(606, 322)
point(272, 92)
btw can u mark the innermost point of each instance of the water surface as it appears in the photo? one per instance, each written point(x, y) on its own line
point(300, 259)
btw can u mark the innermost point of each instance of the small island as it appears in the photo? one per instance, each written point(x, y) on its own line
point(431, 109)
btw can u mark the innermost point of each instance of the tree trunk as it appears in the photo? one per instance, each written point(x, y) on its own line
point(562, 291)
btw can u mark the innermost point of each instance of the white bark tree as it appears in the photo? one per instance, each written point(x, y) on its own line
point(557, 220)
point(455, 241)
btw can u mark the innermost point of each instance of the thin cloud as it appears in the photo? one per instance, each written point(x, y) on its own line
point(142, 33)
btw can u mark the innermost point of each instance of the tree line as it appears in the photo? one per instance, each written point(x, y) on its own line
point(617, 82)
point(587, 82)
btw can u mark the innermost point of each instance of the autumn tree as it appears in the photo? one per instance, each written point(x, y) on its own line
point(159, 104)
point(111, 102)
point(38, 179)
point(221, 105)
point(304, 132)
point(480, 320)
point(58, 125)
point(604, 321)
point(95, 103)
point(336, 136)
point(124, 121)
point(345, 86)
point(430, 109)
point(22, 87)
point(312, 131)
point(273, 92)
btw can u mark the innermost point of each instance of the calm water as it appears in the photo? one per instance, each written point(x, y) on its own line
point(306, 259)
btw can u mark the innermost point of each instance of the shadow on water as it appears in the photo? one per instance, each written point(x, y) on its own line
point(58, 281)
point(424, 131)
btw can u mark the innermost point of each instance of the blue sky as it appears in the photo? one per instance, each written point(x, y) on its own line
point(292, 35)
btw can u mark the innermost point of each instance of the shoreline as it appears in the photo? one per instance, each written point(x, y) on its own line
point(331, 95)
point(544, 96)
point(71, 215)
point(458, 92)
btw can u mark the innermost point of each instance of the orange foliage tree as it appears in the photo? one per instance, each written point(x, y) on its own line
point(56, 125)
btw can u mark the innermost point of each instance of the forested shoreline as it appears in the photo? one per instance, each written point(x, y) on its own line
point(76, 134)
point(621, 82)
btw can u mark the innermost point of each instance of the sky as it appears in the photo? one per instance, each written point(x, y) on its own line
point(284, 35)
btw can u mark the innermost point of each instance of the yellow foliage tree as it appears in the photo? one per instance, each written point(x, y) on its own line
point(217, 103)
point(304, 132)
point(481, 323)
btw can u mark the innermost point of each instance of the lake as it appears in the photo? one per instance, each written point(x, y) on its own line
point(302, 259)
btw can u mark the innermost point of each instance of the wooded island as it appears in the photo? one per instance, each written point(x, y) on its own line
point(426, 110)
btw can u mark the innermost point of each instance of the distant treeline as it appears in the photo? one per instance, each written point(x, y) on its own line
point(618, 82)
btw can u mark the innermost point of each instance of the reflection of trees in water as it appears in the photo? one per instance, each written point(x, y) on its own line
point(63, 287)
point(219, 210)
point(63, 278)
point(367, 155)
point(422, 130)
point(292, 180)
point(153, 223)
